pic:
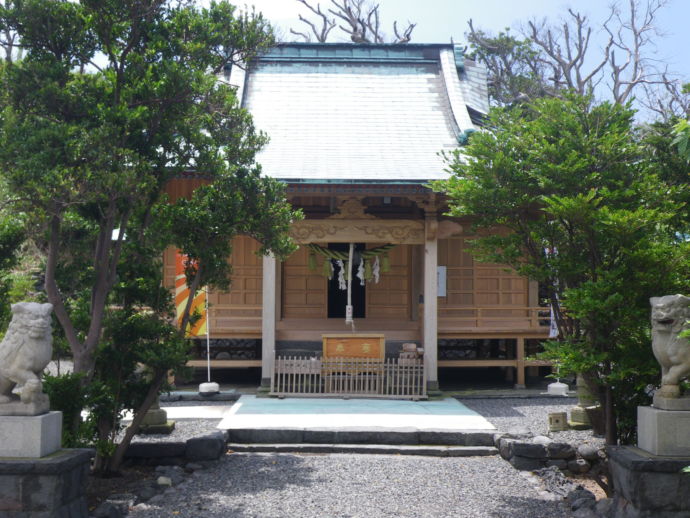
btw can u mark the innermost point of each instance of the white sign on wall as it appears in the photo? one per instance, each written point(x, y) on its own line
point(441, 280)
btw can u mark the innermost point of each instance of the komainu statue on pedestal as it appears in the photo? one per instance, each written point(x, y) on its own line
point(671, 316)
point(24, 352)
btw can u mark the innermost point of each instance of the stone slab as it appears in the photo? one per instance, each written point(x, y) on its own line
point(663, 432)
point(672, 403)
point(339, 414)
point(432, 451)
point(30, 437)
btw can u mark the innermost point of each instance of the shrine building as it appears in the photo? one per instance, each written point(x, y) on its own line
point(357, 132)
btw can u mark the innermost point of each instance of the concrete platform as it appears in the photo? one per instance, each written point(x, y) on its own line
point(355, 421)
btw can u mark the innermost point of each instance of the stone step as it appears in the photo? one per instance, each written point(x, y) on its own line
point(375, 436)
point(389, 449)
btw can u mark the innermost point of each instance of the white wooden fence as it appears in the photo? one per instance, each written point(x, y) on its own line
point(391, 378)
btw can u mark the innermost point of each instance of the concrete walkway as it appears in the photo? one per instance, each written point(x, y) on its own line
point(448, 415)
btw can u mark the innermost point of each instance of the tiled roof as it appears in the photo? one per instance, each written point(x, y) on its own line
point(345, 112)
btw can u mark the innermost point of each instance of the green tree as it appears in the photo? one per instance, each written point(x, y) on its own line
point(254, 206)
point(101, 112)
point(589, 219)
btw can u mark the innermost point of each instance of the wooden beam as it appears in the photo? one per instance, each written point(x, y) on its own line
point(225, 364)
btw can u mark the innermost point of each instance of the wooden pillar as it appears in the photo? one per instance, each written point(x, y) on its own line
point(268, 319)
point(520, 363)
point(431, 302)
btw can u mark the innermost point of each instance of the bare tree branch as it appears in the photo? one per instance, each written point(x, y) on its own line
point(359, 19)
point(562, 56)
point(327, 24)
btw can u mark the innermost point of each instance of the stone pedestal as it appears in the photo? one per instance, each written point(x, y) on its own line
point(39, 405)
point(578, 418)
point(671, 403)
point(51, 487)
point(648, 486)
point(156, 421)
point(30, 436)
point(663, 432)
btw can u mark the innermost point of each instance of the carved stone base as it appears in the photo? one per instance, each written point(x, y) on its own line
point(155, 416)
point(671, 403)
point(156, 421)
point(668, 391)
point(41, 405)
point(160, 429)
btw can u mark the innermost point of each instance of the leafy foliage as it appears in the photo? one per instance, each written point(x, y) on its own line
point(588, 217)
point(102, 111)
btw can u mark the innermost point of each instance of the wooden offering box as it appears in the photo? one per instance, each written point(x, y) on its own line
point(354, 346)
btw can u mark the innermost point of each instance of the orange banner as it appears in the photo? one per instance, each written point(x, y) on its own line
point(182, 295)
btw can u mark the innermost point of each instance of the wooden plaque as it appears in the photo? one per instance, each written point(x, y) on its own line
point(354, 346)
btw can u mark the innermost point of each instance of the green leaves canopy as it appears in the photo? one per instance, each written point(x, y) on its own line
point(586, 215)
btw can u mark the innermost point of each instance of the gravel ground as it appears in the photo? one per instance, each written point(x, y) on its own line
point(508, 414)
point(184, 428)
point(337, 485)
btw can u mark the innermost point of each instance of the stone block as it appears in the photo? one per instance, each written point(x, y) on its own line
point(209, 447)
point(530, 450)
point(578, 417)
point(505, 447)
point(155, 416)
point(560, 450)
point(319, 436)
point(30, 436)
point(588, 452)
point(165, 428)
point(154, 450)
point(579, 466)
point(561, 464)
point(40, 405)
point(376, 436)
point(663, 432)
point(266, 435)
point(39, 487)
point(525, 463)
point(649, 486)
point(671, 403)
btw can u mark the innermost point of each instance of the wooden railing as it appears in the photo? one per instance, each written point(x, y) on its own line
point(495, 316)
point(390, 378)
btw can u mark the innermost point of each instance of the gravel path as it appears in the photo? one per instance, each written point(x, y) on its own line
point(508, 414)
point(371, 486)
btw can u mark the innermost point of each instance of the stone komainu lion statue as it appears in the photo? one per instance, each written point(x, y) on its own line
point(25, 351)
point(670, 316)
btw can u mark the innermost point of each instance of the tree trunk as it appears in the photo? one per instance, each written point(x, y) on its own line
point(106, 466)
point(610, 417)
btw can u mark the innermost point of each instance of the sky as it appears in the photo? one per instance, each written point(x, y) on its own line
point(440, 20)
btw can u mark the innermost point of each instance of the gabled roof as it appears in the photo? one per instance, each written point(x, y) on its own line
point(361, 113)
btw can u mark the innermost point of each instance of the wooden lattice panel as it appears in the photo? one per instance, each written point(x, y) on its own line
point(304, 291)
point(472, 284)
point(390, 298)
